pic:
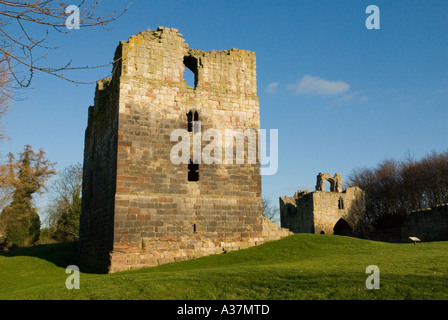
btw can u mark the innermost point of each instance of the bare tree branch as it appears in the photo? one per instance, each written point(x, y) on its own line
point(269, 211)
point(22, 20)
point(6, 95)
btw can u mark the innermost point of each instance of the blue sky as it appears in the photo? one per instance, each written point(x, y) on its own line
point(340, 95)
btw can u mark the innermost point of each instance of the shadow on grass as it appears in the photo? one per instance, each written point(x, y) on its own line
point(60, 254)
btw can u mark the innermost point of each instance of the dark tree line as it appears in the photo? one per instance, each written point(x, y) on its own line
point(395, 188)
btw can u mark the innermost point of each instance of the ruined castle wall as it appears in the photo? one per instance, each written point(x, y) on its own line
point(288, 209)
point(326, 212)
point(304, 222)
point(320, 211)
point(160, 216)
point(296, 213)
point(330, 207)
point(427, 225)
point(100, 163)
point(139, 208)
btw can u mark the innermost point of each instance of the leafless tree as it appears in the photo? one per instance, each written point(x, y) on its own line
point(269, 211)
point(25, 26)
point(6, 93)
point(395, 188)
point(64, 209)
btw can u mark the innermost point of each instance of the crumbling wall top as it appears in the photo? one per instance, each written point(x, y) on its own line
point(335, 182)
point(160, 57)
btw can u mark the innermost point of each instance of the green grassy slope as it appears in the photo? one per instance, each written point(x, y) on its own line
point(303, 266)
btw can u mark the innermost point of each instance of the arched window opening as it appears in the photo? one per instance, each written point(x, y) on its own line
point(191, 71)
point(189, 77)
point(341, 203)
point(328, 186)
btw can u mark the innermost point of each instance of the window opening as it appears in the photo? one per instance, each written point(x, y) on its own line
point(193, 171)
point(341, 203)
point(191, 71)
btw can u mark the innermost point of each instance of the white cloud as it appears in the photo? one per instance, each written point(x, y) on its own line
point(346, 98)
point(318, 86)
point(356, 97)
point(272, 87)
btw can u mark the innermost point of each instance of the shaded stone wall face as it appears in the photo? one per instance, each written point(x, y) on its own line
point(158, 215)
point(296, 213)
point(427, 225)
point(99, 178)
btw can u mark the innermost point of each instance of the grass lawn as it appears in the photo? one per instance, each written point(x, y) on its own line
point(302, 266)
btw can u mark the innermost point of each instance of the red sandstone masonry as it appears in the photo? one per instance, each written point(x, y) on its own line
point(153, 213)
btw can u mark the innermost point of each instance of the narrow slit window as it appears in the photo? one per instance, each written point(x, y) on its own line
point(341, 203)
point(193, 121)
point(190, 121)
point(196, 122)
point(193, 171)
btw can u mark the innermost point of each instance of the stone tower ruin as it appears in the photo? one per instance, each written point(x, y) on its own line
point(324, 212)
point(139, 208)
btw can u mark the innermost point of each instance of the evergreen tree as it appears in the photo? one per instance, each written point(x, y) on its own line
point(26, 176)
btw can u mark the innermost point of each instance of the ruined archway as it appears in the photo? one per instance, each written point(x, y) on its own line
point(342, 228)
point(328, 185)
point(335, 182)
